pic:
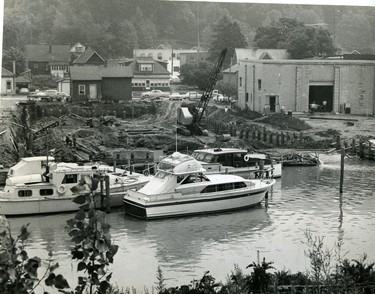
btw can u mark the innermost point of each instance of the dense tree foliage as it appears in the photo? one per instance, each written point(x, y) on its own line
point(300, 40)
point(14, 54)
point(116, 27)
point(227, 34)
point(196, 74)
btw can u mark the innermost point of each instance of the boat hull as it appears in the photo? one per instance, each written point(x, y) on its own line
point(56, 203)
point(177, 205)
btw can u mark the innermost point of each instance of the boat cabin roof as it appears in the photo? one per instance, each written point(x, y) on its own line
point(180, 164)
point(38, 158)
point(221, 150)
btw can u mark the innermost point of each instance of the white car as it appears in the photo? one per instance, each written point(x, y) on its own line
point(221, 98)
point(176, 96)
point(155, 94)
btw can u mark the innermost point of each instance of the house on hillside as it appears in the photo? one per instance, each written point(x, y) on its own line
point(8, 85)
point(89, 57)
point(168, 54)
point(48, 59)
point(147, 73)
point(193, 57)
point(94, 83)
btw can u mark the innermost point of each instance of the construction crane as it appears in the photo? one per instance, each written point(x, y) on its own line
point(189, 117)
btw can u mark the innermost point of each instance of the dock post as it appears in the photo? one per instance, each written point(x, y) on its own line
point(261, 169)
point(369, 150)
point(354, 149)
point(361, 150)
point(114, 165)
point(342, 169)
point(101, 192)
point(107, 195)
point(338, 143)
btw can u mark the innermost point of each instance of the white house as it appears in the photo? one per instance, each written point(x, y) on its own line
point(7, 82)
point(170, 55)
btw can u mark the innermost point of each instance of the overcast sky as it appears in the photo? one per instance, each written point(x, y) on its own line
point(308, 2)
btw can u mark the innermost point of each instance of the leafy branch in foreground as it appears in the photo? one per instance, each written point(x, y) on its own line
point(94, 250)
point(19, 272)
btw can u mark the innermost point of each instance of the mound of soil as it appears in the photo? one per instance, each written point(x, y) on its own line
point(285, 122)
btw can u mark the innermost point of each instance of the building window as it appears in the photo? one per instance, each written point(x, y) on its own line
point(259, 84)
point(160, 56)
point(247, 97)
point(173, 55)
point(240, 81)
point(176, 68)
point(145, 67)
point(81, 89)
point(9, 85)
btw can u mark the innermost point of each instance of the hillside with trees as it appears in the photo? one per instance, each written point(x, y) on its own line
point(116, 27)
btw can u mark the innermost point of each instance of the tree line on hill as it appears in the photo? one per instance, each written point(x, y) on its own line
point(114, 28)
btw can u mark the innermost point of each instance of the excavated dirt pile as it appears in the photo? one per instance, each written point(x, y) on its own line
point(100, 130)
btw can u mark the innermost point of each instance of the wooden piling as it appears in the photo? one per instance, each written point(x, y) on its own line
point(342, 170)
point(354, 148)
point(369, 150)
point(338, 143)
point(107, 195)
point(361, 150)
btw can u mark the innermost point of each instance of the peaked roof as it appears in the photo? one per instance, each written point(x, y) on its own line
point(255, 53)
point(21, 79)
point(47, 52)
point(6, 73)
point(86, 55)
point(97, 73)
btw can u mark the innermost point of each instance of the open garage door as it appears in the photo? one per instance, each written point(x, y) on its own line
point(319, 94)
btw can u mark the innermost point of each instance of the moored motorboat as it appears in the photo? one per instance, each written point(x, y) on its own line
point(238, 162)
point(37, 185)
point(181, 187)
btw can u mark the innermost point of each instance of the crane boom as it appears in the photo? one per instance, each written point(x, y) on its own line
point(190, 117)
point(202, 104)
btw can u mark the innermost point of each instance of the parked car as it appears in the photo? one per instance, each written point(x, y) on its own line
point(24, 91)
point(62, 96)
point(194, 95)
point(221, 98)
point(154, 94)
point(36, 96)
point(50, 95)
point(176, 96)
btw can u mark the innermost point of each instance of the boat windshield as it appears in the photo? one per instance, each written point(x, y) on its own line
point(205, 157)
point(161, 175)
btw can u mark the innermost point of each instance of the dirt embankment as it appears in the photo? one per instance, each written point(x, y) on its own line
point(99, 133)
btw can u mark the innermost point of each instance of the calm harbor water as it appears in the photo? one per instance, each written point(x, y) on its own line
point(306, 198)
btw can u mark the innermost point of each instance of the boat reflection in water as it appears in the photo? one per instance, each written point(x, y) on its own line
point(305, 198)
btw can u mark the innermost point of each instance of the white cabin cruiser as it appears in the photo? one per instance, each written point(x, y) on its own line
point(37, 185)
point(180, 188)
point(238, 162)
